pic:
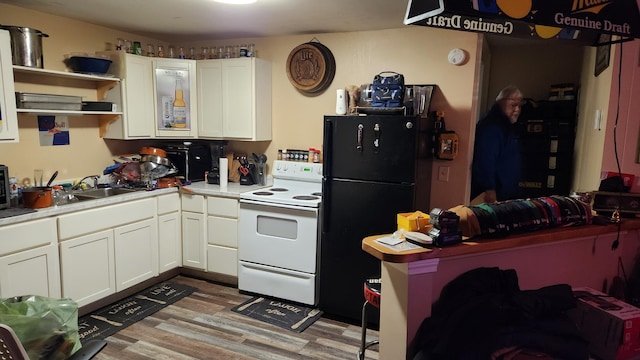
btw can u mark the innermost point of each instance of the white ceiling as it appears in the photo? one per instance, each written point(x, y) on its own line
point(190, 20)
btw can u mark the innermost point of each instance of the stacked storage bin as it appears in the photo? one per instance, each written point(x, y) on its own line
point(547, 140)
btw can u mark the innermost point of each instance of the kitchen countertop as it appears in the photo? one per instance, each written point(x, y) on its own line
point(201, 188)
point(475, 246)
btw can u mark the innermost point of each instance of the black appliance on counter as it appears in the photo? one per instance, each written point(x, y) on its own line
point(192, 159)
point(214, 173)
point(374, 167)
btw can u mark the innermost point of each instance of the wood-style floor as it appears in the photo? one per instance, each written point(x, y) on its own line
point(202, 326)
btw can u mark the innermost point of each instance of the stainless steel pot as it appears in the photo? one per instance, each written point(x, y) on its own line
point(26, 46)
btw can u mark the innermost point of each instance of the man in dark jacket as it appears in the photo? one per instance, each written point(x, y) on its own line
point(496, 155)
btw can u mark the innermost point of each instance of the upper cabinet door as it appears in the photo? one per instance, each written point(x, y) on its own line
point(136, 92)
point(236, 99)
point(209, 84)
point(8, 114)
point(175, 102)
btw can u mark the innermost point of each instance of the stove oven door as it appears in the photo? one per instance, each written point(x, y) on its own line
point(277, 250)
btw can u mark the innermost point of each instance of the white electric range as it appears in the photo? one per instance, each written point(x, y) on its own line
point(278, 237)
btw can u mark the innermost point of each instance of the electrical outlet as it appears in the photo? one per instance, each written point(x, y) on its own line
point(443, 173)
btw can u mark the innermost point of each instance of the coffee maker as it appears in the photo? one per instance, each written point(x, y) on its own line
point(214, 173)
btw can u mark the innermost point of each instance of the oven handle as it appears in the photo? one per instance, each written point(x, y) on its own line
point(272, 205)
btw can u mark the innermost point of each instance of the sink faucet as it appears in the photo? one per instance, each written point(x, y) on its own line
point(92, 177)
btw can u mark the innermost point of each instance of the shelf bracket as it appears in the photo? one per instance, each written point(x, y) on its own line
point(105, 120)
point(104, 88)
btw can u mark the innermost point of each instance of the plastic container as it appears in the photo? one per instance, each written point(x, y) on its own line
point(88, 64)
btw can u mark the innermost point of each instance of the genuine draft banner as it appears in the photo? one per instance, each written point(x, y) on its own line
point(581, 20)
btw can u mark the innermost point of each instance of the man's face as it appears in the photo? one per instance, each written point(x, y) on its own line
point(511, 107)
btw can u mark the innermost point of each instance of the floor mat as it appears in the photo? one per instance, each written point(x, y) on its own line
point(108, 320)
point(277, 312)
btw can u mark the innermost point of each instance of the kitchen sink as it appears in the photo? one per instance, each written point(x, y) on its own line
point(101, 193)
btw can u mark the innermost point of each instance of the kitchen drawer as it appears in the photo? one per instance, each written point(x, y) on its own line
point(193, 203)
point(92, 220)
point(222, 231)
point(168, 203)
point(222, 260)
point(225, 207)
point(27, 235)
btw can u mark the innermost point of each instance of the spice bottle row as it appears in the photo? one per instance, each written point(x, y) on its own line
point(311, 155)
point(180, 52)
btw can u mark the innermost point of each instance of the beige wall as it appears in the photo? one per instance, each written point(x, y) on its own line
point(589, 140)
point(417, 52)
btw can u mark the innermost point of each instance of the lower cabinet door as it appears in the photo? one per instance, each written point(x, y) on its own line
point(31, 272)
point(169, 241)
point(88, 267)
point(194, 241)
point(136, 253)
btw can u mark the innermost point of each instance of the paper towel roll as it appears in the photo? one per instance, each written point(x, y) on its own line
point(224, 172)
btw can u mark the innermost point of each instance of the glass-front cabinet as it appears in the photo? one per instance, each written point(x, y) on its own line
point(8, 115)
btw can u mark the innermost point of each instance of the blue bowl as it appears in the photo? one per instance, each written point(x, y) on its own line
point(88, 65)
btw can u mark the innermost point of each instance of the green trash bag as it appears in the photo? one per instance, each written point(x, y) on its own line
point(46, 327)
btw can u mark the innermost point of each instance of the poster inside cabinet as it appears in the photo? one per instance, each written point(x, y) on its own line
point(172, 94)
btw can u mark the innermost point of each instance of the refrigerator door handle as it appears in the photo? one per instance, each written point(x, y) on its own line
point(376, 142)
point(325, 205)
point(359, 145)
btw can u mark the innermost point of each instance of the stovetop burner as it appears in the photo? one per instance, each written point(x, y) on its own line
point(278, 189)
point(316, 193)
point(263, 193)
point(305, 197)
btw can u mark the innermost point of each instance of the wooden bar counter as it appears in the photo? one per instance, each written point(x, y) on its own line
point(412, 279)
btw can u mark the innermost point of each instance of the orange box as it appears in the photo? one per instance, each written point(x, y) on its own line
point(415, 221)
point(611, 326)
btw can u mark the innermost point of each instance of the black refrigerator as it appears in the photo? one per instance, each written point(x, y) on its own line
point(375, 167)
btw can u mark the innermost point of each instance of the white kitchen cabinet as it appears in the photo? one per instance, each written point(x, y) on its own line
point(194, 229)
point(169, 232)
point(29, 260)
point(234, 99)
point(173, 78)
point(88, 267)
point(136, 90)
point(8, 116)
point(136, 253)
point(108, 249)
point(222, 235)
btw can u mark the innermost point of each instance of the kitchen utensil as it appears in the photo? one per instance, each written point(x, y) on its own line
point(160, 160)
point(88, 64)
point(37, 177)
point(26, 46)
point(37, 197)
point(263, 158)
point(148, 150)
point(311, 314)
point(52, 178)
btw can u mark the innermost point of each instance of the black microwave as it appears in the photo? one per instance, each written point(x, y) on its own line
point(192, 160)
point(5, 194)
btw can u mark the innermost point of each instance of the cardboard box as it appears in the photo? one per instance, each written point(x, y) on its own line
point(611, 326)
point(415, 221)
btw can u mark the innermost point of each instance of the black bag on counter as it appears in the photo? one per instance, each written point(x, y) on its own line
point(387, 89)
